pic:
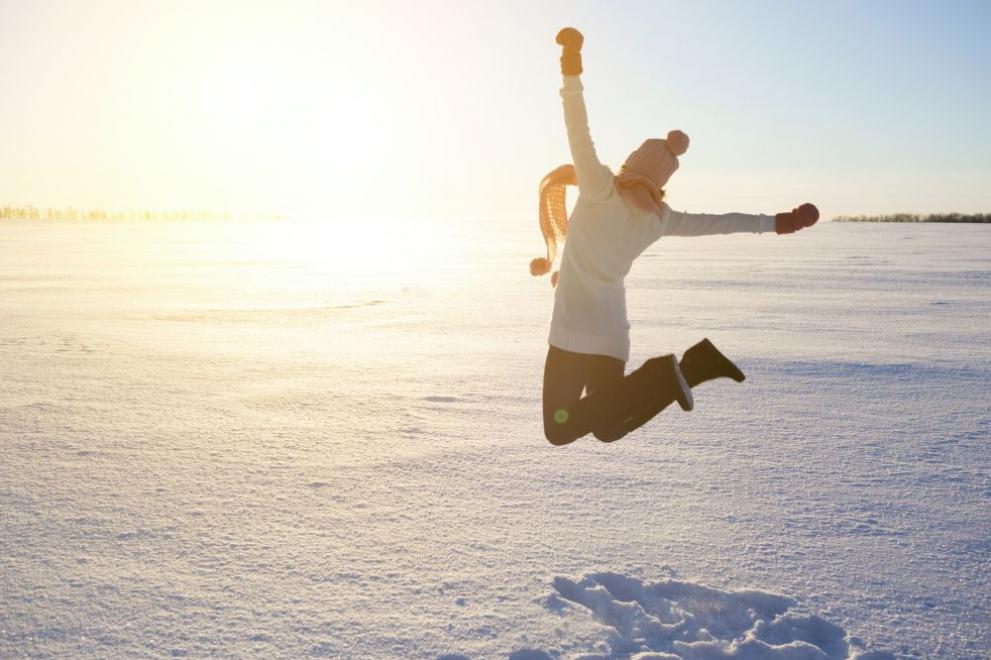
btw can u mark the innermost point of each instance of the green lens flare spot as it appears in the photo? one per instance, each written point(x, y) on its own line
point(561, 416)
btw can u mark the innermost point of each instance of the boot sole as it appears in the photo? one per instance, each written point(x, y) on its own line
point(682, 393)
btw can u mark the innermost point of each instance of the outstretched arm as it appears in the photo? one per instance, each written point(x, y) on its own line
point(679, 223)
point(594, 180)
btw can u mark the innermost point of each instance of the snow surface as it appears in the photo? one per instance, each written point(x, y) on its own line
point(220, 440)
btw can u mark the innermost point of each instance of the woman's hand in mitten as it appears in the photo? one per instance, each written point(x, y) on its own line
point(571, 41)
point(804, 216)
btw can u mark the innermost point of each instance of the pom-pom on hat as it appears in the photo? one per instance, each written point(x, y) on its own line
point(647, 169)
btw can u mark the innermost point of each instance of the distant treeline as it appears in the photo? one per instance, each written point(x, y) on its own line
point(73, 214)
point(909, 217)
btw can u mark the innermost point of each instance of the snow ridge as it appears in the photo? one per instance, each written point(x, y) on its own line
point(671, 619)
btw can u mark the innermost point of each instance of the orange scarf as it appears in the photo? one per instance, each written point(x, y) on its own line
point(553, 217)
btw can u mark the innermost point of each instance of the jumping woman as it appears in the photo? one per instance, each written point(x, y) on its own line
point(614, 220)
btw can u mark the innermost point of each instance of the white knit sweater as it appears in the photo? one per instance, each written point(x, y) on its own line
point(605, 234)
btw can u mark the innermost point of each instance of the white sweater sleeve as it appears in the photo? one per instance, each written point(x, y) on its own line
point(680, 223)
point(594, 179)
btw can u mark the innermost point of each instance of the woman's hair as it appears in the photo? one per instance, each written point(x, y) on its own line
point(554, 216)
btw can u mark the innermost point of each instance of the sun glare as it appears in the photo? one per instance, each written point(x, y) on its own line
point(318, 136)
point(350, 132)
point(364, 252)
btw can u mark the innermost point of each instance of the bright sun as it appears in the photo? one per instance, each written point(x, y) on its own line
point(277, 112)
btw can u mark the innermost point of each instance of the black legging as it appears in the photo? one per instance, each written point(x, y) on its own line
point(614, 404)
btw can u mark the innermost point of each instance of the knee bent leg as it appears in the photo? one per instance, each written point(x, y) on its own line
point(556, 435)
point(611, 435)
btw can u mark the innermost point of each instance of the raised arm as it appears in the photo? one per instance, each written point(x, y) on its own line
point(680, 223)
point(594, 179)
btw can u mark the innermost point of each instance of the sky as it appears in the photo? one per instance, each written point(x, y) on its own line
point(450, 111)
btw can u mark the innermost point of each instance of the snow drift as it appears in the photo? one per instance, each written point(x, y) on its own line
point(673, 619)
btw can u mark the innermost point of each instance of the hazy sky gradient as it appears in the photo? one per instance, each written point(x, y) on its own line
point(449, 110)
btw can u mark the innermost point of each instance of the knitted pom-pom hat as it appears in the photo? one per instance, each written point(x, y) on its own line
point(647, 169)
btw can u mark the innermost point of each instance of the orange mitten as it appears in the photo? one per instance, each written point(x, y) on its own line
point(804, 216)
point(571, 41)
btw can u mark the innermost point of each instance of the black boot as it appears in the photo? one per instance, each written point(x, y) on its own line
point(703, 362)
point(667, 383)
